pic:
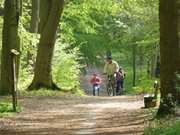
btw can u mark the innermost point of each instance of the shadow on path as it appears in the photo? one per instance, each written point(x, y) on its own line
point(77, 116)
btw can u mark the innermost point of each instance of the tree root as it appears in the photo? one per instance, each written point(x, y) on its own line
point(39, 85)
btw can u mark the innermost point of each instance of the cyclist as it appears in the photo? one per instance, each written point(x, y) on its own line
point(111, 68)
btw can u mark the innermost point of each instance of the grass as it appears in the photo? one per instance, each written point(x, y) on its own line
point(143, 83)
point(164, 127)
point(169, 125)
point(46, 92)
point(6, 109)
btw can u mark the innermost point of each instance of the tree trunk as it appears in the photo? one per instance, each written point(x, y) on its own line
point(35, 16)
point(169, 46)
point(34, 26)
point(49, 24)
point(153, 64)
point(154, 61)
point(178, 92)
point(148, 68)
point(10, 41)
point(134, 65)
point(45, 8)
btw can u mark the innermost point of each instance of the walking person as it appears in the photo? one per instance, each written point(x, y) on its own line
point(120, 80)
point(124, 75)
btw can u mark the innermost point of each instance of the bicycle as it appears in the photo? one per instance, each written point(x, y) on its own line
point(111, 85)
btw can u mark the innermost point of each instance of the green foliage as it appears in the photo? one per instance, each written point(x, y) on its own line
point(164, 127)
point(66, 67)
point(88, 29)
point(82, 26)
point(97, 26)
point(145, 85)
point(29, 43)
point(6, 109)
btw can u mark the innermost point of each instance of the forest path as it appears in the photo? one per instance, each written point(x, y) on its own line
point(85, 80)
point(69, 115)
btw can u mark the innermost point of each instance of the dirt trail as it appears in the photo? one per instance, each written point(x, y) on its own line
point(70, 115)
point(85, 81)
point(76, 116)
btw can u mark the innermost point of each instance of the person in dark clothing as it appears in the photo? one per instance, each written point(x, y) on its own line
point(120, 81)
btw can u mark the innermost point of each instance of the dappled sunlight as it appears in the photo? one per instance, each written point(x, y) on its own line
point(122, 105)
point(77, 116)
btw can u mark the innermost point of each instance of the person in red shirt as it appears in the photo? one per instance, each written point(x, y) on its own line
point(95, 81)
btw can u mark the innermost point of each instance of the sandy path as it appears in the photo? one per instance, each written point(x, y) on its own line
point(85, 81)
point(70, 115)
point(76, 116)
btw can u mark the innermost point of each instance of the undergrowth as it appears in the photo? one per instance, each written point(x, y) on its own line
point(164, 127)
point(169, 125)
point(6, 109)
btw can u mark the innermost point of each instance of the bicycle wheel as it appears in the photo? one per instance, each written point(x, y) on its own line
point(109, 89)
point(113, 86)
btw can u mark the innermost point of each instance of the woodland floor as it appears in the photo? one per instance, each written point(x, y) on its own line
point(71, 115)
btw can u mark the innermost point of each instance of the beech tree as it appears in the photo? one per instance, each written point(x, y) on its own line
point(169, 53)
point(50, 13)
point(10, 41)
point(178, 91)
point(35, 16)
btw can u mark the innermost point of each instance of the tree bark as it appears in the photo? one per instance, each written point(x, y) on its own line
point(35, 16)
point(154, 61)
point(10, 41)
point(169, 46)
point(49, 24)
point(134, 65)
point(45, 8)
point(35, 11)
point(178, 92)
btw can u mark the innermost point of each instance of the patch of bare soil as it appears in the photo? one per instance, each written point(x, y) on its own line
point(76, 116)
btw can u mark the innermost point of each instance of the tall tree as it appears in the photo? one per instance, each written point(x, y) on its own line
point(10, 41)
point(178, 92)
point(169, 49)
point(34, 25)
point(50, 13)
point(35, 16)
point(134, 64)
